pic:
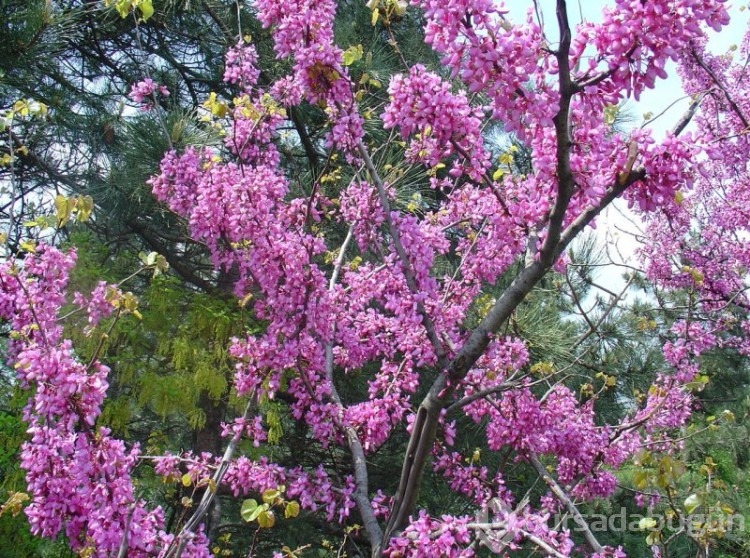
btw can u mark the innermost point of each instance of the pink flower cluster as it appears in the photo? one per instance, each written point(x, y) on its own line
point(145, 93)
point(438, 122)
point(463, 476)
point(635, 39)
point(304, 29)
point(446, 536)
point(241, 66)
point(668, 168)
point(476, 41)
point(98, 305)
point(250, 429)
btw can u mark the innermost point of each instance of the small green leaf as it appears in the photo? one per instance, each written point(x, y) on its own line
point(266, 519)
point(186, 480)
point(14, 503)
point(642, 457)
point(84, 207)
point(28, 246)
point(270, 495)
point(692, 503)
point(63, 208)
point(353, 54)
point(640, 479)
point(646, 523)
point(146, 8)
point(250, 510)
point(123, 7)
point(291, 509)
point(161, 265)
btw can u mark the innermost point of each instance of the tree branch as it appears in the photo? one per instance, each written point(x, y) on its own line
point(558, 491)
point(208, 496)
point(425, 424)
point(184, 271)
point(721, 86)
point(411, 280)
point(361, 492)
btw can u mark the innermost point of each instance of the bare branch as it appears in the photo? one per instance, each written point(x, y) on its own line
point(558, 491)
point(613, 304)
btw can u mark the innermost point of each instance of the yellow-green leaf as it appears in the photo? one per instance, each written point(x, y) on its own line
point(63, 209)
point(640, 479)
point(148, 259)
point(399, 7)
point(14, 503)
point(28, 246)
point(161, 265)
point(250, 510)
point(353, 54)
point(270, 495)
point(213, 104)
point(186, 480)
point(146, 8)
point(84, 207)
point(123, 7)
point(266, 519)
point(692, 503)
point(291, 509)
point(375, 16)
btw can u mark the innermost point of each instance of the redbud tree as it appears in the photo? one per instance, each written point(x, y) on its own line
point(351, 282)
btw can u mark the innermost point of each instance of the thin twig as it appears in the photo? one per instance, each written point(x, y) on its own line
point(187, 531)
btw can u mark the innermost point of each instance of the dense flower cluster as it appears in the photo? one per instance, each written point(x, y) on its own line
point(476, 39)
point(635, 39)
point(437, 122)
point(446, 536)
point(241, 66)
point(304, 29)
